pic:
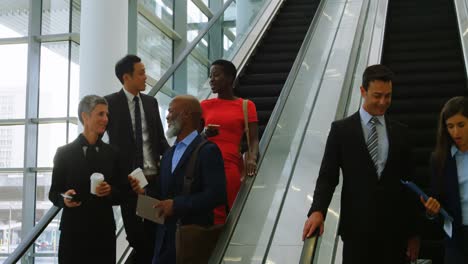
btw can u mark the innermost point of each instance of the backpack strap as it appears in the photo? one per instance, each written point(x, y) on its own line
point(190, 171)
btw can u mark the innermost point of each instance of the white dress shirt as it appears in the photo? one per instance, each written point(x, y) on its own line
point(149, 165)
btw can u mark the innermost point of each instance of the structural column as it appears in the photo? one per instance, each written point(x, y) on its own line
point(103, 41)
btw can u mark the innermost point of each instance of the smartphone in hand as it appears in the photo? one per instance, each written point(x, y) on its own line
point(72, 198)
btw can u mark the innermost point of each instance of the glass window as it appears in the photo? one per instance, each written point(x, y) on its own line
point(55, 16)
point(42, 194)
point(51, 136)
point(53, 79)
point(46, 245)
point(11, 146)
point(13, 69)
point(72, 132)
point(10, 211)
point(197, 75)
point(14, 17)
point(161, 8)
point(154, 48)
point(196, 20)
point(76, 15)
point(74, 80)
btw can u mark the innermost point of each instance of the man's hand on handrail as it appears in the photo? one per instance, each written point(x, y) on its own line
point(315, 220)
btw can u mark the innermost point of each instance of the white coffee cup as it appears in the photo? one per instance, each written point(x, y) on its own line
point(96, 179)
point(138, 174)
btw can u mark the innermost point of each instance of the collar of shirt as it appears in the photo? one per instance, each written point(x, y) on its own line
point(454, 151)
point(188, 139)
point(366, 117)
point(130, 96)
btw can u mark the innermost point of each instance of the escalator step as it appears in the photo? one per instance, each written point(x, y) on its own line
point(429, 77)
point(415, 106)
point(263, 116)
point(280, 56)
point(398, 37)
point(261, 67)
point(421, 56)
point(267, 78)
point(424, 66)
point(428, 90)
point(419, 45)
point(291, 21)
point(264, 103)
point(259, 90)
point(285, 47)
point(417, 121)
point(284, 38)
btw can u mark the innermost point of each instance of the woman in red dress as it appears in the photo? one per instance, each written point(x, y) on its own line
point(224, 125)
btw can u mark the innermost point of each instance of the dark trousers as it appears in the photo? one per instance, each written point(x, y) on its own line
point(374, 249)
point(458, 254)
point(140, 234)
point(87, 247)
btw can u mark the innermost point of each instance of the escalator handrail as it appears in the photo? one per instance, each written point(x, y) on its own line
point(182, 57)
point(28, 241)
point(37, 230)
point(310, 248)
point(247, 184)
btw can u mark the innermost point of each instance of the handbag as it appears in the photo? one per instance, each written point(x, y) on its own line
point(195, 243)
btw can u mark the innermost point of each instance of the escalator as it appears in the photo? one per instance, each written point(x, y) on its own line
point(267, 70)
point(422, 46)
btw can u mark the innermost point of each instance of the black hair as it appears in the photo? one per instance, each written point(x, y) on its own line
point(376, 72)
point(125, 65)
point(228, 68)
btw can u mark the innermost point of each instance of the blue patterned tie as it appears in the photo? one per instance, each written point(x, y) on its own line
point(373, 141)
point(138, 134)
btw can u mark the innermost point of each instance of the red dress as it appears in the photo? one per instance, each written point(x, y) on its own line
point(228, 114)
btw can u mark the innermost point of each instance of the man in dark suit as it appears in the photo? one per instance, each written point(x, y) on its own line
point(208, 190)
point(378, 215)
point(135, 129)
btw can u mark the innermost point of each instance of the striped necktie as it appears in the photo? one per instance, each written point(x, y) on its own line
point(373, 141)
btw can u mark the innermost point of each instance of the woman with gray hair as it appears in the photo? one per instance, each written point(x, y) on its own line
point(87, 227)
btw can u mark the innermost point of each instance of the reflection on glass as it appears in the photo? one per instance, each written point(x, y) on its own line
point(76, 15)
point(11, 146)
point(74, 80)
point(13, 69)
point(10, 211)
point(196, 22)
point(14, 17)
point(197, 75)
point(50, 137)
point(160, 8)
point(53, 79)
point(154, 48)
point(55, 16)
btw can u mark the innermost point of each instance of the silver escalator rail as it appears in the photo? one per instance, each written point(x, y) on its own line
point(248, 183)
point(38, 229)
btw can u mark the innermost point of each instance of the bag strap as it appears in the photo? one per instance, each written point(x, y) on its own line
point(190, 171)
point(189, 177)
point(246, 122)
